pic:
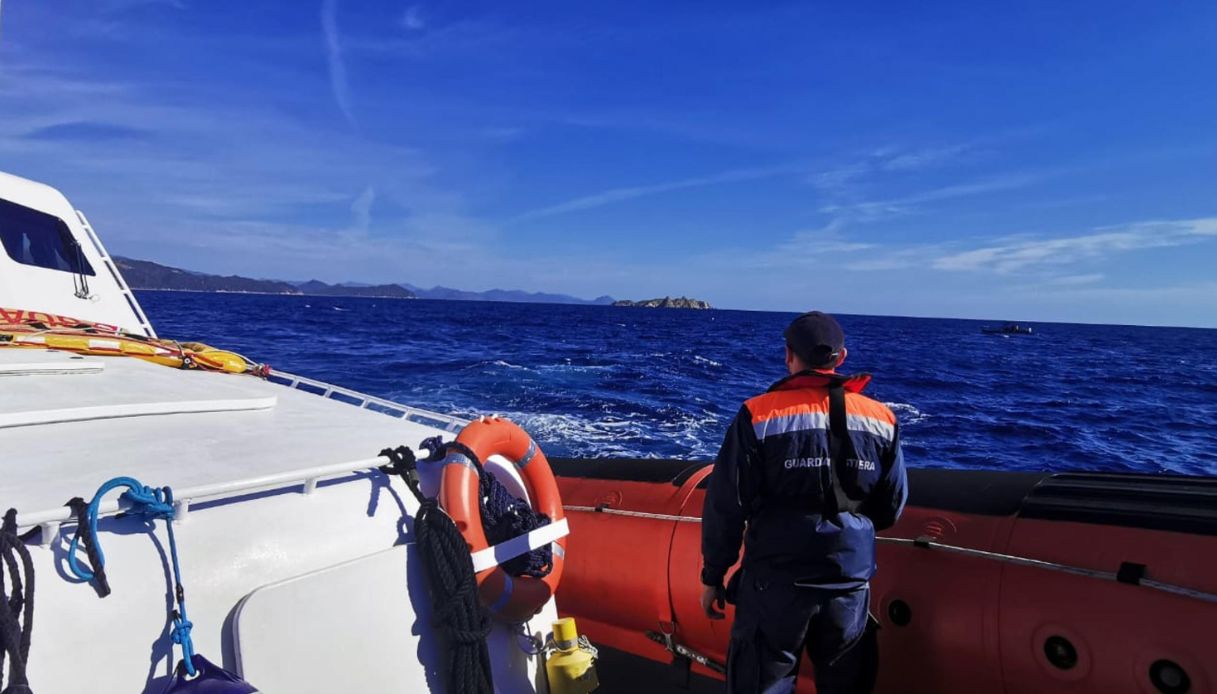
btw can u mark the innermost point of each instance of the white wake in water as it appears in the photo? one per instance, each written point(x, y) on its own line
point(612, 436)
point(906, 413)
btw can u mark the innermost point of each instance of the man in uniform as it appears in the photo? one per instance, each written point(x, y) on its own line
point(810, 469)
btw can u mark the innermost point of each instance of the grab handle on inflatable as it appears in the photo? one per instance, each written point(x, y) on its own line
point(497, 554)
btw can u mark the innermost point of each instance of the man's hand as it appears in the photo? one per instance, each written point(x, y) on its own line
point(712, 596)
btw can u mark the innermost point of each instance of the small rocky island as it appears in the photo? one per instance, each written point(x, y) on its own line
point(666, 302)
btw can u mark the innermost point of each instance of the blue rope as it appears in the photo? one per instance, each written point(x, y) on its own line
point(144, 500)
point(181, 625)
point(151, 504)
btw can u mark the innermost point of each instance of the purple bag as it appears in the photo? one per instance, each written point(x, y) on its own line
point(210, 679)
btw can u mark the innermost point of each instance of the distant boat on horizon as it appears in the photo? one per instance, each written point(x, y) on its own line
point(1008, 329)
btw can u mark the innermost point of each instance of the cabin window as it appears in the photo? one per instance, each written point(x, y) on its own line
point(35, 238)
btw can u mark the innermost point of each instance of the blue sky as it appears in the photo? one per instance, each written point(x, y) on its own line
point(1025, 160)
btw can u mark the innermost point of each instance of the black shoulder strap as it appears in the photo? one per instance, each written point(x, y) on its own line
point(840, 447)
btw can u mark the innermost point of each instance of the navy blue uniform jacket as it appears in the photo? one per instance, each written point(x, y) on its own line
point(771, 477)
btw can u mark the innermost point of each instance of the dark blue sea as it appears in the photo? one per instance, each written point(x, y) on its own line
point(605, 381)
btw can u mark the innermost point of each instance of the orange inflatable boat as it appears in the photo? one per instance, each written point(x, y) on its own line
point(1022, 583)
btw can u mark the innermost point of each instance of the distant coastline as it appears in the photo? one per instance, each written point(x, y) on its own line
point(143, 274)
point(146, 275)
point(257, 293)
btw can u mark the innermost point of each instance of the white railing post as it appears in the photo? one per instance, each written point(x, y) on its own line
point(48, 534)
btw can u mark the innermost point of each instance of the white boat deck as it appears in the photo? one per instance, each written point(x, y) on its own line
point(69, 423)
point(69, 432)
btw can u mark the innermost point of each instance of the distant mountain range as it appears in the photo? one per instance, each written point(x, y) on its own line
point(144, 274)
point(449, 294)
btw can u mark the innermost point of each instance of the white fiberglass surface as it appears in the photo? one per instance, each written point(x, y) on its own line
point(49, 463)
point(120, 644)
point(122, 381)
point(371, 640)
point(20, 362)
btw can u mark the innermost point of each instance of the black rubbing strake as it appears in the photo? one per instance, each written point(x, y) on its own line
point(1158, 502)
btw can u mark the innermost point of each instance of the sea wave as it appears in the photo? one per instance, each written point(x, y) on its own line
point(497, 363)
point(667, 384)
point(906, 413)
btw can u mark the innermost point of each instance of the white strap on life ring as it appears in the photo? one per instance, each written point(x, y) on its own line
point(510, 549)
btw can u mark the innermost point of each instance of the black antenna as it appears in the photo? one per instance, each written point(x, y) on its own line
point(80, 277)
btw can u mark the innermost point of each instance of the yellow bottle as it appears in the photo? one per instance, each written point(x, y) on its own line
point(571, 666)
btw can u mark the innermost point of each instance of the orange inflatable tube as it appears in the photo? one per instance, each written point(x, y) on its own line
point(1015, 582)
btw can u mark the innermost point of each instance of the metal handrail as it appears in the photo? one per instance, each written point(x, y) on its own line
point(365, 401)
point(123, 287)
point(50, 519)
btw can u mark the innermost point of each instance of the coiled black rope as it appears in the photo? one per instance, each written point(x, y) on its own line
point(16, 606)
point(461, 620)
point(505, 516)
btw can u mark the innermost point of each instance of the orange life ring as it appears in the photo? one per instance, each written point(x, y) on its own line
point(511, 598)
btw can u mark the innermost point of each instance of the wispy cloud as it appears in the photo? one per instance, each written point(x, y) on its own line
point(339, 86)
point(1046, 253)
point(85, 131)
point(802, 249)
point(893, 259)
point(913, 160)
point(1072, 201)
point(361, 209)
point(839, 183)
point(615, 195)
point(1049, 258)
point(501, 133)
point(413, 19)
point(1076, 280)
point(1203, 293)
point(124, 5)
point(819, 242)
point(874, 210)
point(843, 183)
point(835, 182)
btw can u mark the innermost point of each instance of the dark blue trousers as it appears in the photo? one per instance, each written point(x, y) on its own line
point(775, 621)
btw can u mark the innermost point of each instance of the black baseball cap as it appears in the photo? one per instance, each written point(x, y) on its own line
point(816, 338)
